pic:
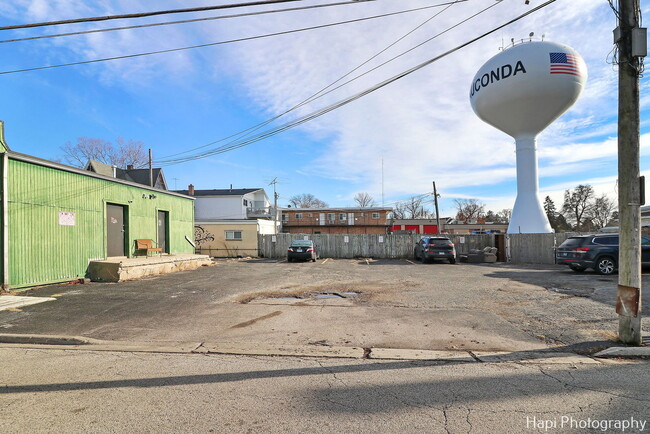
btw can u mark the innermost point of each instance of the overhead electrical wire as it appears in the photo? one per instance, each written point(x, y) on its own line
point(343, 102)
point(194, 20)
point(171, 50)
point(145, 14)
point(321, 92)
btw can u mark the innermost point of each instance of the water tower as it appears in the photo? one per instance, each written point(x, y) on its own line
point(521, 91)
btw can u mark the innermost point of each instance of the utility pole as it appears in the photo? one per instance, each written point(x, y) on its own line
point(150, 169)
point(631, 42)
point(382, 182)
point(275, 206)
point(435, 201)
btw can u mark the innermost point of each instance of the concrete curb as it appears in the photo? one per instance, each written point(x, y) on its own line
point(45, 339)
point(624, 352)
point(254, 349)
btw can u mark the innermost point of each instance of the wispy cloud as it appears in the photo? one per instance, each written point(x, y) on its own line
point(422, 126)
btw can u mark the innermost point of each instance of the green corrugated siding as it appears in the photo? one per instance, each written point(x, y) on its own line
point(41, 250)
point(3, 242)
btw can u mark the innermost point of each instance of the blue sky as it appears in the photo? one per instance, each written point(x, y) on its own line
point(422, 126)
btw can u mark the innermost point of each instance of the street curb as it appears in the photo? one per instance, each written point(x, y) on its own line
point(625, 352)
point(45, 339)
point(322, 351)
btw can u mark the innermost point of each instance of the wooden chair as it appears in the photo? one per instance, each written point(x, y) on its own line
point(146, 245)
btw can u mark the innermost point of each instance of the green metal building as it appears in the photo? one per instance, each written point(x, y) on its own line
point(55, 219)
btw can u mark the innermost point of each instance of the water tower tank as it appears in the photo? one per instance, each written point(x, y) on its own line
point(521, 91)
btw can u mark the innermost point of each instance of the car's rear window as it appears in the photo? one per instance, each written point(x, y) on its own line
point(572, 242)
point(300, 243)
point(439, 241)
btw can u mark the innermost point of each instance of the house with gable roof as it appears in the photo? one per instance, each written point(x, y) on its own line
point(228, 221)
point(139, 176)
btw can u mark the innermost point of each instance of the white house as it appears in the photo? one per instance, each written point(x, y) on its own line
point(227, 221)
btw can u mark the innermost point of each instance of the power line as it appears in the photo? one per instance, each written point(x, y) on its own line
point(321, 92)
point(145, 14)
point(194, 20)
point(348, 100)
point(316, 96)
point(171, 50)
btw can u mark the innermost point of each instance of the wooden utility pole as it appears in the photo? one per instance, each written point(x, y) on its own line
point(435, 201)
point(150, 169)
point(628, 303)
point(275, 206)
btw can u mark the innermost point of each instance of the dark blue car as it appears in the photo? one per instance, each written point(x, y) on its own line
point(599, 252)
point(301, 250)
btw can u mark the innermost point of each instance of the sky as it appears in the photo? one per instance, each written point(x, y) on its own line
point(392, 143)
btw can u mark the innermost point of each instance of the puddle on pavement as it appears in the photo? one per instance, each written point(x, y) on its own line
point(307, 298)
point(328, 296)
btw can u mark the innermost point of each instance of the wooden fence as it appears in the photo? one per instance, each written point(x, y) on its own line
point(520, 248)
point(533, 248)
point(363, 245)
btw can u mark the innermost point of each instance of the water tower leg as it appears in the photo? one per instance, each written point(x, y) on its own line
point(528, 216)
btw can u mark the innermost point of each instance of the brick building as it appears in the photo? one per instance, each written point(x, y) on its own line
point(375, 220)
point(447, 226)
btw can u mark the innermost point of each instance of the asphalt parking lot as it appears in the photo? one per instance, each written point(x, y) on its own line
point(362, 302)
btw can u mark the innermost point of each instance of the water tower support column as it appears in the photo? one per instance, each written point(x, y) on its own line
point(528, 215)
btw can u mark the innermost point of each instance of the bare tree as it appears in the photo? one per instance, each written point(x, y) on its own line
point(399, 212)
point(413, 209)
point(307, 200)
point(468, 209)
point(577, 204)
point(364, 200)
point(505, 215)
point(602, 211)
point(88, 148)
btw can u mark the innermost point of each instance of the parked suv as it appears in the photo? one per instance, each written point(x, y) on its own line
point(599, 252)
point(436, 247)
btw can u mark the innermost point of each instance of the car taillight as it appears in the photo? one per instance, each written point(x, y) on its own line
point(580, 249)
point(450, 245)
point(310, 249)
point(289, 249)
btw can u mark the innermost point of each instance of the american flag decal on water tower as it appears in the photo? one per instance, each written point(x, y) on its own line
point(564, 63)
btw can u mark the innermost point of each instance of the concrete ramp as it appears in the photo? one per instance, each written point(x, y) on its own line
point(121, 269)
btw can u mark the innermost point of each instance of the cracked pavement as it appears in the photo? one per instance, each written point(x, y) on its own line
point(82, 391)
point(398, 305)
point(389, 304)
